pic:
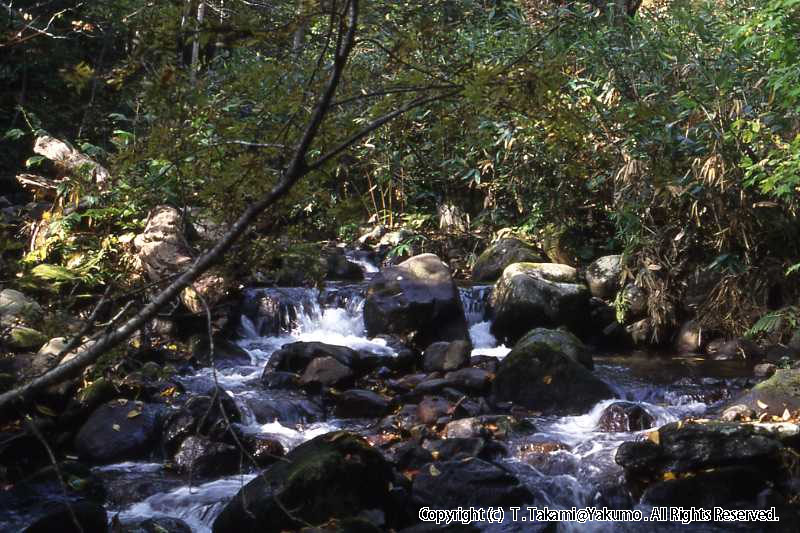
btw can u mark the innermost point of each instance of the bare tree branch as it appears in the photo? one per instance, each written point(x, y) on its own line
point(296, 169)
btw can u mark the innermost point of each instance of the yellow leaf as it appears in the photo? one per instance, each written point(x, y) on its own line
point(434, 471)
point(653, 436)
point(45, 410)
point(134, 413)
point(786, 414)
point(761, 404)
point(115, 427)
point(547, 380)
point(669, 476)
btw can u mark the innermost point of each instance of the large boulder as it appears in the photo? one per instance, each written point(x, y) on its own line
point(119, 430)
point(603, 276)
point(538, 294)
point(540, 378)
point(164, 251)
point(561, 341)
point(491, 263)
point(335, 475)
point(416, 300)
point(202, 457)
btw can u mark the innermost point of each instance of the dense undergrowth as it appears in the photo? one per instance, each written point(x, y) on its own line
point(672, 136)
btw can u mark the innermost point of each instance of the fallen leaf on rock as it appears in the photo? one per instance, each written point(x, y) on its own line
point(115, 427)
point(134, 413)
point(761, 405)
point(434, 471)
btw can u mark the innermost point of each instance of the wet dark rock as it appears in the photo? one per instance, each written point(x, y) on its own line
point(339, 268)
point(410, 456)
point(486, 362)
point(404, 420)
point(430, 386)
point(280, 380)
point(61, 517)
point(160, 524)
point(326, 372)
point(416, 300)
point(226, 352)
point(560, 341)
point(446, 356)
point(470, 380)
point(433, 408)
point(472, 482)
point(202, 457)
point(491, 263)
point(471, 407)
point(727, 487)
point(457, 449)
point(286, 407)
point(535, 376)
point(357, 403)
point(336, 475)
point(778, 393)
point(530, 295)
point(296, 356)
point(407, 382)
point(119, 430)
point(603, 276)
point(624, 416)
point(200, 415)
point(263, 449)
point(686, 447)
point(721, 349)
point(779, 354)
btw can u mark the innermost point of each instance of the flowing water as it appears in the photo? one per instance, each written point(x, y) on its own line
point(582, 473)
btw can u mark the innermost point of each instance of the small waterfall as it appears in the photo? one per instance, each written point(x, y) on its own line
point(475, 300)
point(365, 259)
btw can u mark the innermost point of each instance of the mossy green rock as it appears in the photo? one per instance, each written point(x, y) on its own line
point(538, 377)
point(778, 393)
point(24, 338)
point(561, 341)
point(491, 263)
point(335, 475)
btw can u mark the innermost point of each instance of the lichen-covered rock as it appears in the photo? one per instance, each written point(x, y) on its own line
point(23, 338)
point(530, 295)
point(535, 376)
point(603, 276)
point(416, 300)
point(491, 263)
point(335, 475)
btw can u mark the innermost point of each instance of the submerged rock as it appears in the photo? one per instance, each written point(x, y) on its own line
point(530, 295)
point(416, 300)
point(624, 416)
point(491, 263)
point(535, 376)
point(335, 475)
